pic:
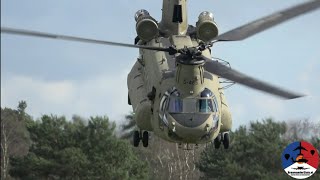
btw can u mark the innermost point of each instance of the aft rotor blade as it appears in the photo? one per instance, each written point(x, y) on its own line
point(264, 23)
point(24, 32)
point(226, 72)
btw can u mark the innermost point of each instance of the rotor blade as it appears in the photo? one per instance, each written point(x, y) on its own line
point(264, 23)
point(24, 32)
point(226, 72)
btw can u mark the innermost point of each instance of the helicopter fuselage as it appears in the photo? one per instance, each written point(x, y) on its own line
point(157, 78)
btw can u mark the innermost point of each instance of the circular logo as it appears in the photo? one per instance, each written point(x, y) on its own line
point(300, 160)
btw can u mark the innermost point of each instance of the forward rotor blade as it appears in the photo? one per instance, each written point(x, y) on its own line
point(264, 23)
point(24, 32)
point(225, 72)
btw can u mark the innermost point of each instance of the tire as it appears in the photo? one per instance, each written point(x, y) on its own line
point(136, 138)
point(145, 139)
point(217, 142)
point(226, 140)
point(129, 100)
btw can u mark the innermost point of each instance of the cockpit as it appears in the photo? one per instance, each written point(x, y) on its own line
point(205, 103)
point(189, 112)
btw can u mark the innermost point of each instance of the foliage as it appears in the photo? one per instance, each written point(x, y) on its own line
point(77, 150)
point(254, 153)
point(55, 148)
point(14, 135)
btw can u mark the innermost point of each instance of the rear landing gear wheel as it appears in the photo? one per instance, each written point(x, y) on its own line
point(136, 138)
point(129, 100)
point(145, 139)
point(226, 140)
point(217, 142)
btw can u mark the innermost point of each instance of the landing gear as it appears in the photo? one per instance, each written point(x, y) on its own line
point(129, 100)
point(137, 136)
point(217, 142)
point(145, 139)
point(224, 138)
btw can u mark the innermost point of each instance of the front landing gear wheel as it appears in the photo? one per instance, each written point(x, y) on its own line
point(226, 140)
point(217, 142)
point(145, 139)
point(136, 138)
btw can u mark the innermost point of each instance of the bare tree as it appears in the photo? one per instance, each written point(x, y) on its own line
point(166, 160)
point(302, 130)
point(171, 161)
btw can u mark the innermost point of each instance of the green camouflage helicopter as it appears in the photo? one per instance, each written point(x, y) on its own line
point(175, 87)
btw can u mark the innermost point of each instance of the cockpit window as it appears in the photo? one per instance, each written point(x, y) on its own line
point(205, 105)
point(179, 105)
point(206, 93)
point(191, 105)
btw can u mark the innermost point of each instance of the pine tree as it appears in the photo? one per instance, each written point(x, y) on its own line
point(64, 149)
point(254, 153)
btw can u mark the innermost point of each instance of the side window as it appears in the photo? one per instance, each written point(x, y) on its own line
point(163, 104)
point(216, 105)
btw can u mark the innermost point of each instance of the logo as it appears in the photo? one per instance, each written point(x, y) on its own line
point(300, 160)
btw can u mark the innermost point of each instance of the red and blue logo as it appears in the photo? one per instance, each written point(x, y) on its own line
point(300, 160)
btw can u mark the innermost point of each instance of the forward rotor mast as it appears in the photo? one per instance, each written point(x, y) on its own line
point(174, 17)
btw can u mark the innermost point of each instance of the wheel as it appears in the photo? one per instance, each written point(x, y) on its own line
point(129, 100)
point(226, 140)
point(136, 138)
point(145, 139)
point(217, 142)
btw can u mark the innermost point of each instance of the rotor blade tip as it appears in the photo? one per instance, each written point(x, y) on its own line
point(296, 96)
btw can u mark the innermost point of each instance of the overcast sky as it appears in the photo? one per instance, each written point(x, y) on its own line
point(66, 78)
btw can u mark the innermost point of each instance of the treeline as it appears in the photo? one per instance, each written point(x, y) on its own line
point(255, 151)
point(56, 148)
point(53, 147)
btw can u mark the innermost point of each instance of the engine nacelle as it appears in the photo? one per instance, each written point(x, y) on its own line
point(206, 28)
point(146, 26)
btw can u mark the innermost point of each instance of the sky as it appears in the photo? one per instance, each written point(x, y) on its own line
point(66, 78)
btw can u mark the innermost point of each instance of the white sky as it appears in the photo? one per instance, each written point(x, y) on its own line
point(66, 78)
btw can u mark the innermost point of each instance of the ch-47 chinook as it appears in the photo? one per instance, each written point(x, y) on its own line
point(175, 85)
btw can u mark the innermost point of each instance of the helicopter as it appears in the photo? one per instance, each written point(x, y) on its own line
point(174, 86)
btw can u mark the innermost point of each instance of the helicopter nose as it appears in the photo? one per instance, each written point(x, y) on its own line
point(190, 127)
point(190, 120)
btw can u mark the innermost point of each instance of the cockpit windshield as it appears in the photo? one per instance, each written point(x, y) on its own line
point(191, 105)
point(204, 103)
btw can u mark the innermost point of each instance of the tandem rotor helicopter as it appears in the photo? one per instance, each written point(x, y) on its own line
point(175, 86)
